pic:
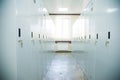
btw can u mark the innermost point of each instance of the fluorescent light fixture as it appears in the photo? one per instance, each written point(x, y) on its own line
point(85, 9)
point(63, 9)
point(16, 12)
point(110, 10)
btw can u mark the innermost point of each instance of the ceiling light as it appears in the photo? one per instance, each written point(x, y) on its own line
point(63, 9)
point(85, 10)
point(110, 10)
point(16, 12)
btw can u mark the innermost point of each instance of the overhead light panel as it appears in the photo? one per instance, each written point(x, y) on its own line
point(85, 9)
point(110, 10)
point(63, 9)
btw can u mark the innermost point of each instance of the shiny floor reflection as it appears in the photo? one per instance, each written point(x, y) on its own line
point(64, 67)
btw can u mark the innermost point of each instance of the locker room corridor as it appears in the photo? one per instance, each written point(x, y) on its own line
point(59, 40)
point(64, 67)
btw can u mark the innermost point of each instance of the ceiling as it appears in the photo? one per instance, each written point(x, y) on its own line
point(74, 6)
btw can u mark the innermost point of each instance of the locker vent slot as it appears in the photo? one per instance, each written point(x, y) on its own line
point(39, 35)
point(89, 36)
point(31, 34)
point(109, 35)
point(97, 36)
point(19, 32)
point(85, 37)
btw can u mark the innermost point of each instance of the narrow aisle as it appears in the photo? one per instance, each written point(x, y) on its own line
point(64, 67)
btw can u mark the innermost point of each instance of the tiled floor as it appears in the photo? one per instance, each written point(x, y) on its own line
point(64, 67)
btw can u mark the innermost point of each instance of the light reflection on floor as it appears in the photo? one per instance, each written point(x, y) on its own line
point(64, 67)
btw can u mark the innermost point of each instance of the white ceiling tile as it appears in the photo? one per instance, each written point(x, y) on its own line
point(74, 6)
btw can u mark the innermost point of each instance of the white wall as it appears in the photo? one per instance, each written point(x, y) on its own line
point(64, 32)
point(8, 64)
point(29, 61)
point(33, 57)
point(107, 57)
